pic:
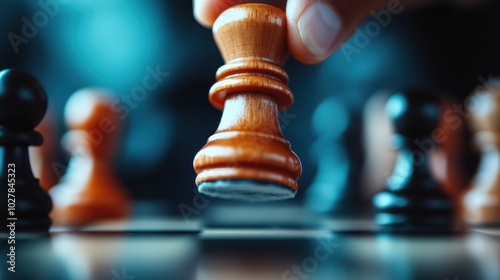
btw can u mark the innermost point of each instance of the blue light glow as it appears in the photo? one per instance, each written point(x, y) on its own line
point(109, 43)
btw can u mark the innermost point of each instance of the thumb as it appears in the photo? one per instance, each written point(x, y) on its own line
point(317, 27)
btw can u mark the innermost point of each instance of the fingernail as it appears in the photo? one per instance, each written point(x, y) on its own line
point(319, 26)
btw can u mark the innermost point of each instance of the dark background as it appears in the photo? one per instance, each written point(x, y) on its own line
point(441, 47)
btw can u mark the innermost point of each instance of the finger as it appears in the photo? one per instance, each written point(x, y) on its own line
point(207, 11)
point(317, 27)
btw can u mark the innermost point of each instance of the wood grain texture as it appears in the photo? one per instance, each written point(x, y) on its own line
point(251, 89)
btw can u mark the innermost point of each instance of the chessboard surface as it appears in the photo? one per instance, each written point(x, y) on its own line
point(162, 247)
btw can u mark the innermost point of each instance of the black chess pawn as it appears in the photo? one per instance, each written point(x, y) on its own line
point(24, 205)
point(413, 200)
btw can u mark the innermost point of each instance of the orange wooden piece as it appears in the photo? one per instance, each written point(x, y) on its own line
point(89, 191)
point(481, 203)
point(251, 88)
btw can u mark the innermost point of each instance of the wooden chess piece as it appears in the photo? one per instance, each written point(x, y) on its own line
point(451, 156)
point(44, 157)
point(248, 158)
point(23, 102)
point(89, 191)
point(481, 202)
point(413, 199)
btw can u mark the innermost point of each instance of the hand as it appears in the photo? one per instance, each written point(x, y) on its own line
point(315, 27)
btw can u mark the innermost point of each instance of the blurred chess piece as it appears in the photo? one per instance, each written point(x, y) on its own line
point(44, 157)
point(380, 156)
point(90, 191)
point(413, 199)
point(446, 153)
point(448, 160)
point(248, 158)
point(23, 104)
point(481, 203)
point(329, 191)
